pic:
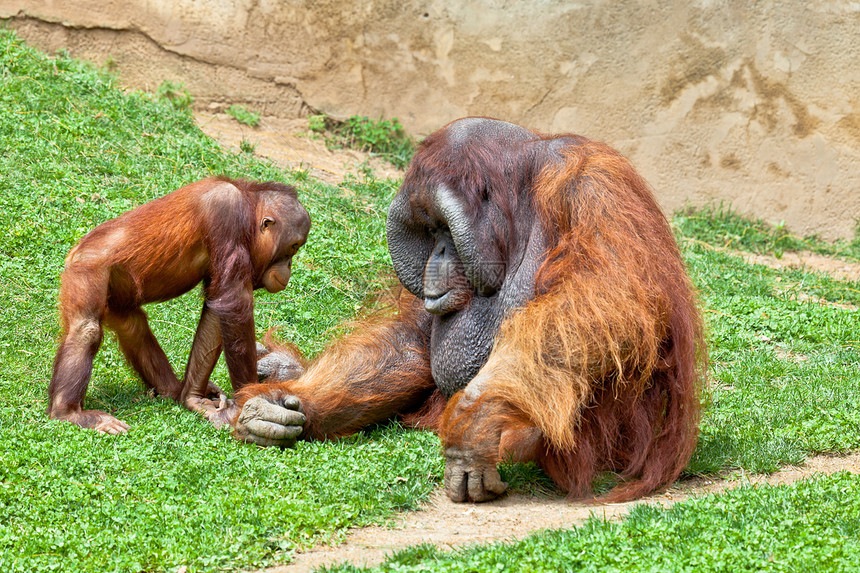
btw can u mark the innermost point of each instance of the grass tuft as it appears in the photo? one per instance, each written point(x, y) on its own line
point(243, 115)
point(176, 94)
point(382, 137)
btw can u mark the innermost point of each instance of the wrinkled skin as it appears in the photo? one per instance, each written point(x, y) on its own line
point(468, 478)
point(470, 267)
point(277, 365)
point(271, 421)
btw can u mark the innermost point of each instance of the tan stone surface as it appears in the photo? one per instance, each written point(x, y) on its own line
point(752, 104)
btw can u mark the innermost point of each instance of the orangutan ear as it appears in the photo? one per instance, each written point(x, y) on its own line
point(265, 223)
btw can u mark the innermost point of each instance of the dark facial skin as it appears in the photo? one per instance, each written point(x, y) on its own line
point(439, 253)
point(446, 288)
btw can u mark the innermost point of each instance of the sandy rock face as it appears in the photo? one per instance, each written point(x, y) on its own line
point(752, 105)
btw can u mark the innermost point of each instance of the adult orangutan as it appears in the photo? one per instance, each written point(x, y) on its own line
point(233, 235)
point(549, 317)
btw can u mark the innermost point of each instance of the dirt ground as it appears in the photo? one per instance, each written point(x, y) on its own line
point(838, 269)
point(441, 521)
point(448, 525)
point(288, 143)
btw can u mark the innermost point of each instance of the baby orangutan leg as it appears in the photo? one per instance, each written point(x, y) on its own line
point(72, 369)
point(199, 394)
point(141, 349)
point(73, 364)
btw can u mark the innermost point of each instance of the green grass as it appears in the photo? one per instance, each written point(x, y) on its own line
point(243, 115)
point(813, 525)
point(785, 351)
point(721, 226)
point(173, 491)
point(173, 92)
point(382, 137)
point(785, 369)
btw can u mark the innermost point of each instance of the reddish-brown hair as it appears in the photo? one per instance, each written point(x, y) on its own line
point(599, 372)
point(607, 359)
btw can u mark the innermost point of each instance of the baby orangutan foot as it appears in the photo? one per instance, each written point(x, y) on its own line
point(218, 411)
point(93, 419)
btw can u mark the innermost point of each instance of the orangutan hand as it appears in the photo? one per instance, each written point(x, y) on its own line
point(277, 365)
point(268, 421)
point(469, 478)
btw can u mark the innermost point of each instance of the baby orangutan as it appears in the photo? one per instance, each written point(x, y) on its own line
point(234, 236)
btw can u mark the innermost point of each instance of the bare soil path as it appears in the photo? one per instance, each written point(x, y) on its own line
point(515, 516)
point(288, 143)
point(836, 268)
point(448, 525)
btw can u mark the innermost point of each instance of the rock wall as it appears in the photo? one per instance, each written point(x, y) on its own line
point(755, 105)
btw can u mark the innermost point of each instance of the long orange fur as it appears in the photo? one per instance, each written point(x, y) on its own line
point(606, 361)
point(602, 367)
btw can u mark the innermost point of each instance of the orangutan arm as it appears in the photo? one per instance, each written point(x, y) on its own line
point(479, 429)
point(381, 369)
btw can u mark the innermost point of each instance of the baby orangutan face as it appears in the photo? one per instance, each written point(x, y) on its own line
point(284, 227)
